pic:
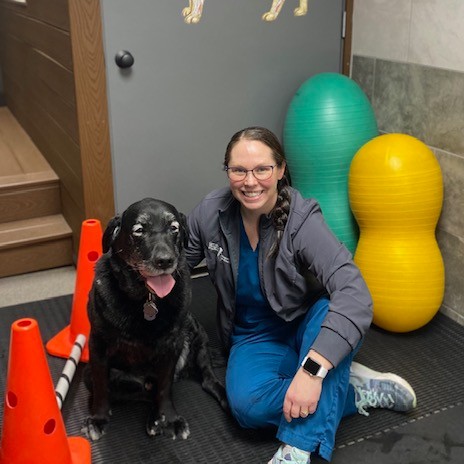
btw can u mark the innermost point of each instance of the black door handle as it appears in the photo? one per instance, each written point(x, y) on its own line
point(124, 59)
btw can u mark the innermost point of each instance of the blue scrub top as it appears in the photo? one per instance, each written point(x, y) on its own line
point(253, 315)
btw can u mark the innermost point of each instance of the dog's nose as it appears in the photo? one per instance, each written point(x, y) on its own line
point(164, 262)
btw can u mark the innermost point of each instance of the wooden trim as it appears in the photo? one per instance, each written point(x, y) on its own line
point(92, 108)
point(54, 12)
point(42, 80)
point(52, 41)
point(346, 65)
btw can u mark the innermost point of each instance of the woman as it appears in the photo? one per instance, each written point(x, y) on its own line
point(292, 306)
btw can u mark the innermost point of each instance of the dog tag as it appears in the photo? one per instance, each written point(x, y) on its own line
point(150, 310)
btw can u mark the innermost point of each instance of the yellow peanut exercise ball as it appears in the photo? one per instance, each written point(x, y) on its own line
point(396, 195)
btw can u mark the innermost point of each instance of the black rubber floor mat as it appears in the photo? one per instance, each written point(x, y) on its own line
point(430, 359)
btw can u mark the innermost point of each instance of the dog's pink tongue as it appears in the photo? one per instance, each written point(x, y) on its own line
point(161, 285)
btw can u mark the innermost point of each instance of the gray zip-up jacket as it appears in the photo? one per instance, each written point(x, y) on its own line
point(311, 262)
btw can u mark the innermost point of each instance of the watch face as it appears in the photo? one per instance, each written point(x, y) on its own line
point(311, 366)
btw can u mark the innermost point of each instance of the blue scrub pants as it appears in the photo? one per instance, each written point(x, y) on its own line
point(260, 369)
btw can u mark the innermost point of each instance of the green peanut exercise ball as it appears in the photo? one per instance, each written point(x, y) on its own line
point(328, 120)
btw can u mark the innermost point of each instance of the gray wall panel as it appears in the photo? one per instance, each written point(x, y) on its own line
point(193, 86)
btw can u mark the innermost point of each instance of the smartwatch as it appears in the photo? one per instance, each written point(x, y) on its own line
point(314, 368)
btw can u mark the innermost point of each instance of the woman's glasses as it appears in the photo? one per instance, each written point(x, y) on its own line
point(260, 172)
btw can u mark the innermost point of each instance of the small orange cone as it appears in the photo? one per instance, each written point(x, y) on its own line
point(33, 428)
point(90, 249)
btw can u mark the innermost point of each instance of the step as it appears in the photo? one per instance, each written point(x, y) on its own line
point(34, 244)
point(28, 196)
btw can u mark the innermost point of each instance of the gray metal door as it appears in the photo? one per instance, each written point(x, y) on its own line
point(193, 85)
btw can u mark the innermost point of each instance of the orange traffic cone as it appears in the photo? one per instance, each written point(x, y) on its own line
point(90, 249)
point(33, 428)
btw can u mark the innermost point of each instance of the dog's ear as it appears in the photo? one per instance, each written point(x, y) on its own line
point(184, 229)
point(111, 232)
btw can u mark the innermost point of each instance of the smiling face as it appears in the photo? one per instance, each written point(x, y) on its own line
point(257, 196)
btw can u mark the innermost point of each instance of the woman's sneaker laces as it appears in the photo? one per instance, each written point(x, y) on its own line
point(380, 390)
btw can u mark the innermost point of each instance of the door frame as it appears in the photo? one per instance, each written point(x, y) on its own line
point(92, 108)
point(347, 38)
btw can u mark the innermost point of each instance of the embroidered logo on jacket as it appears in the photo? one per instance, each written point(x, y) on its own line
point(219, 252)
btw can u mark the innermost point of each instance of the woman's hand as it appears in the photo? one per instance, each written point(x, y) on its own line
point(302, 395)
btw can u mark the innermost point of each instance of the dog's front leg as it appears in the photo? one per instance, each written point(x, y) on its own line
point(163, 418)
point(94, 425)
point(272, 14)
point(302, 9)
point(192, 13)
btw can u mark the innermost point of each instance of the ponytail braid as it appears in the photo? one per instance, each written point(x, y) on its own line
point(279, 214)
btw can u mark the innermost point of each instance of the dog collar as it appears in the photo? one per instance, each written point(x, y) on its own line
point(150, 310)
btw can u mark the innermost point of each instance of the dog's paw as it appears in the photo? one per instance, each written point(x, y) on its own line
point(218, 391)
point(156, 427)
point(269, 16)
point(192, 18)
point(300, 11)
point(222, 396)
point(94, 428)
point(224, 404)
point(177, 428)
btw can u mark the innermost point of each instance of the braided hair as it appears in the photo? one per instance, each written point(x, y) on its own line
point(279, 213)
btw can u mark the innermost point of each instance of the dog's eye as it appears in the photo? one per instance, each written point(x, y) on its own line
point(174, 227)
point(137, 230)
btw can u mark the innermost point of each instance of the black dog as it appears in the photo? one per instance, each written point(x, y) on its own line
point(142, 333)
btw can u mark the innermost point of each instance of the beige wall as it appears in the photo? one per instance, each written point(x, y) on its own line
point(408, 57)
point(426, 32)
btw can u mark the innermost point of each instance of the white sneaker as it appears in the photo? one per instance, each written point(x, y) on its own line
point(380, 390)
point(287, 454)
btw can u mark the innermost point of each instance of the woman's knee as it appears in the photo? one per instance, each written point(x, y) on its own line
point(252, 412)
point(257, 405)
point(256, 389)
